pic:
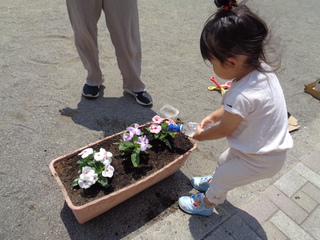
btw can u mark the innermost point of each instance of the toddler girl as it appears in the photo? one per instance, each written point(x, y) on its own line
point(253, 116)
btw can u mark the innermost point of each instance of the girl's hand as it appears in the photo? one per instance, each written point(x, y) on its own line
point(229, 122)
point(213, 117)
point(205, 121)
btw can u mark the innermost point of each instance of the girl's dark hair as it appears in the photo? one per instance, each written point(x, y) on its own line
point(234, 30)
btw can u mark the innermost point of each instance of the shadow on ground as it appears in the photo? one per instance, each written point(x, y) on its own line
point(132, 214)
point(110, 115)
point(228, 222)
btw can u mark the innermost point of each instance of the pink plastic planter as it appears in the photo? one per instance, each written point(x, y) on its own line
point(93, 209)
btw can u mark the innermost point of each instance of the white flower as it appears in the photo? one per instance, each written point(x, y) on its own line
point(99, 156)
point(108, 171)
point(87, 178)
point(107, 160)
point(85, 153)
point(103, 155)
point(109, 155)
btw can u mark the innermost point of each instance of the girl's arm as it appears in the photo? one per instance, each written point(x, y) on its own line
point(229, 122)
point(213, 117)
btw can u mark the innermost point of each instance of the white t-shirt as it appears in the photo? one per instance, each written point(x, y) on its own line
point(259, 100)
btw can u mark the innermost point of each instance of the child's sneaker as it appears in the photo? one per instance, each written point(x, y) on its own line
point(195, 205)
point(201, 183)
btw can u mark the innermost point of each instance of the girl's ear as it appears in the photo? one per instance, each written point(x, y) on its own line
point(232, 62)
point(237, 61)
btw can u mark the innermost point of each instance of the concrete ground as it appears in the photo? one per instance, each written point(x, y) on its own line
point(43, 116)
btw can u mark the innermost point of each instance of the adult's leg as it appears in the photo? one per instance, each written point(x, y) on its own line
point(84, 16)
point(123, 23)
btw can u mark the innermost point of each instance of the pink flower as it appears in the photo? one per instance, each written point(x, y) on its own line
point(157, 119)
point(169, 121)
point(155, 128)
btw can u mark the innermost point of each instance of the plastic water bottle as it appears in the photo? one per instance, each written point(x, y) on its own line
point(189, 129)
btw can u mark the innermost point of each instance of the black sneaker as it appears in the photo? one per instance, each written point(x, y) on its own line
point(90, 91)
point(143, 98)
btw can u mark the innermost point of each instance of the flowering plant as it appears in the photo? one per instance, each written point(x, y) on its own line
point(94, 167)
point(134, 143)
point(160, 129)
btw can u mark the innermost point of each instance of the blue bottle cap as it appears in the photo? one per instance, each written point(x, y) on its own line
point(173, 128)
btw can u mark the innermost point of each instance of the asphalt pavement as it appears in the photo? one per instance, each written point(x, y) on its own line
point(43, 116)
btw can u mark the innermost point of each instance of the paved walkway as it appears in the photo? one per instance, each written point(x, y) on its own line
point(289, 208)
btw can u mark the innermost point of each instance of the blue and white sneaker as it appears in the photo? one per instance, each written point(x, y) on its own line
point(195, 205)
point(143, 97)
point(91, 91)
point(201, 183)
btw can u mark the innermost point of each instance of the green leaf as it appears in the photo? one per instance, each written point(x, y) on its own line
point(75, 182)
point(103, 181)
point(151, 138)
point(128, 144)
point(162, 137)
point(172, 134)
point(166, 141)
point(135, 159)
point(91, 163)
point(82, 161)
point(99, 167)
point(164, 125)
point(122, 148)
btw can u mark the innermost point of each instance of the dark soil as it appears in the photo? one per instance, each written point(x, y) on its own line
point(125, 174)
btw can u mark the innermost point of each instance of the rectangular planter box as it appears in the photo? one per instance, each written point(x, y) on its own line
point(93, 209)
